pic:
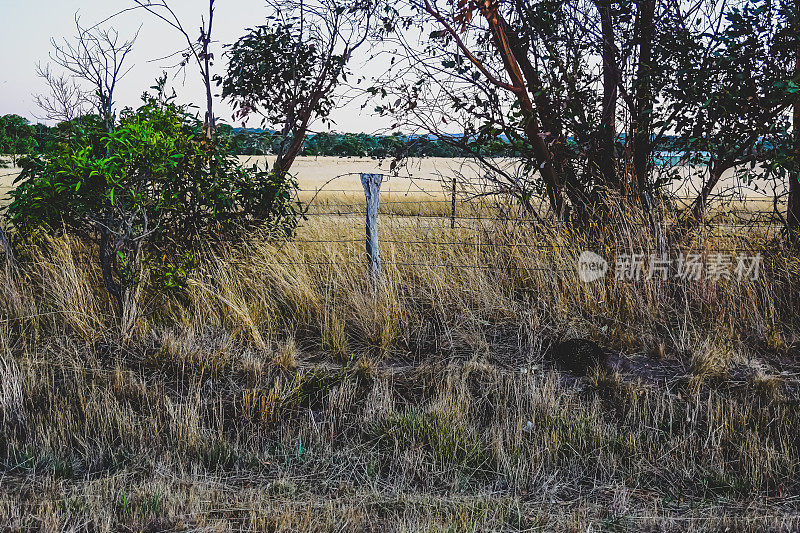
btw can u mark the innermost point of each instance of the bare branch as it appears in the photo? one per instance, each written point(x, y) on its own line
point(66, 100)
point(98, 57)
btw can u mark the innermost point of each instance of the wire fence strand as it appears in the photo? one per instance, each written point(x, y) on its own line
point(497, 230)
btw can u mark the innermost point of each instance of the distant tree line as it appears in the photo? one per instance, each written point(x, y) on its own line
point(19, 137)
point(397, 145)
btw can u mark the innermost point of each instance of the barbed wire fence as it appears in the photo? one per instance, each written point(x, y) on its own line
point(448, 212)
point(454, 217)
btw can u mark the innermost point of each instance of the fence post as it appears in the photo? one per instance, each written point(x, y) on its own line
point(655, 227)
point(6, 247)
point(372, 191)
point(453, 207)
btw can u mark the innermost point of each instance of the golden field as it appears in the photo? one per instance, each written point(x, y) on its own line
point(430, 175)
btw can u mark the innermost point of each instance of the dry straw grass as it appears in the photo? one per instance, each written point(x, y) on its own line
point(283, 392)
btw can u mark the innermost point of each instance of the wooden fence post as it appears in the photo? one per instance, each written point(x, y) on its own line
point(6, 247)
point(372, 191)
point(453, 207)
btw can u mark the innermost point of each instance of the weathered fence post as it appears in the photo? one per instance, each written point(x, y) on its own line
point(6, 247)
point(372, 190)
point(655, 227)
point(453, 207)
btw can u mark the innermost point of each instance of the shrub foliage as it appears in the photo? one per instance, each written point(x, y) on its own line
point(149, 191)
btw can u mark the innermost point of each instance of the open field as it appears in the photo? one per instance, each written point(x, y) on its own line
point(316, 173)
point(336, 174)
point(282, 392)
point(342, 173)
point(7, 177)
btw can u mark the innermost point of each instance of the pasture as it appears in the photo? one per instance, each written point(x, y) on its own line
point(336, 174)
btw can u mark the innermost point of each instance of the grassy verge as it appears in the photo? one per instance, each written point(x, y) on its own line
point(281, 391)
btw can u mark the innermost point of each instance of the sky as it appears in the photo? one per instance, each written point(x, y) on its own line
point(29, 25)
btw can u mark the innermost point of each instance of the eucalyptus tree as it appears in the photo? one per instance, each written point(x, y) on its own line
point(468, 79)
point(577, 87)
point(510, 71)
point(286, 72)
point(790, 11)
point(732, 94)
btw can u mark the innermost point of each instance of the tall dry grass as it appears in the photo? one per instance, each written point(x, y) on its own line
point(284, 391)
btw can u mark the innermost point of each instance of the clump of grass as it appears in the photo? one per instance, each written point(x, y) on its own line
point(286, 356)
point(12, 405)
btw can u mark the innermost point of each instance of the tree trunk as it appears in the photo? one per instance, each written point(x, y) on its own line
point(550, 119)
point(105, 107)
point(210, 125)
point(511, 63)
point(642, 120)
point(793, 207)
point(131, 295)
point(519, 48)
point(211, 122)
point(530, 122)
point(285, 160)
point(699, 206)
point(542, 153)
point(606, 158)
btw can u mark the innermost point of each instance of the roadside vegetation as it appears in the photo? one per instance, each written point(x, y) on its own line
point(279, 391)
point(189, 343)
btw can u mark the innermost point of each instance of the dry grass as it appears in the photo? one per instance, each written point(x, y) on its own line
point(283, 392)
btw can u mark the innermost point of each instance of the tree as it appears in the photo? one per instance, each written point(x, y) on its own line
point(791, 11)
point(520, 78)
point(66, 100)
point(96, 56)
point(644, 96)
point(197, 50)
point(730, 97)
point(17, 136)
point(525, 74)
point(607, 157)
point(286, 72)
point(148, 195)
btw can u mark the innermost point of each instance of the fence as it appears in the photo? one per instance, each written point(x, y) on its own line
point(471, 223)
point(462, 217)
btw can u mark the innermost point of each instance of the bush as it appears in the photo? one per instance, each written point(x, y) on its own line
point(148, 193)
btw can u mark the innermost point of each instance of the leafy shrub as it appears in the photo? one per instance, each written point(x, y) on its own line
point(149, 192)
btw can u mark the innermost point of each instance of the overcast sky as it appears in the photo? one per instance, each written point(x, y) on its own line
point(28, 26)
